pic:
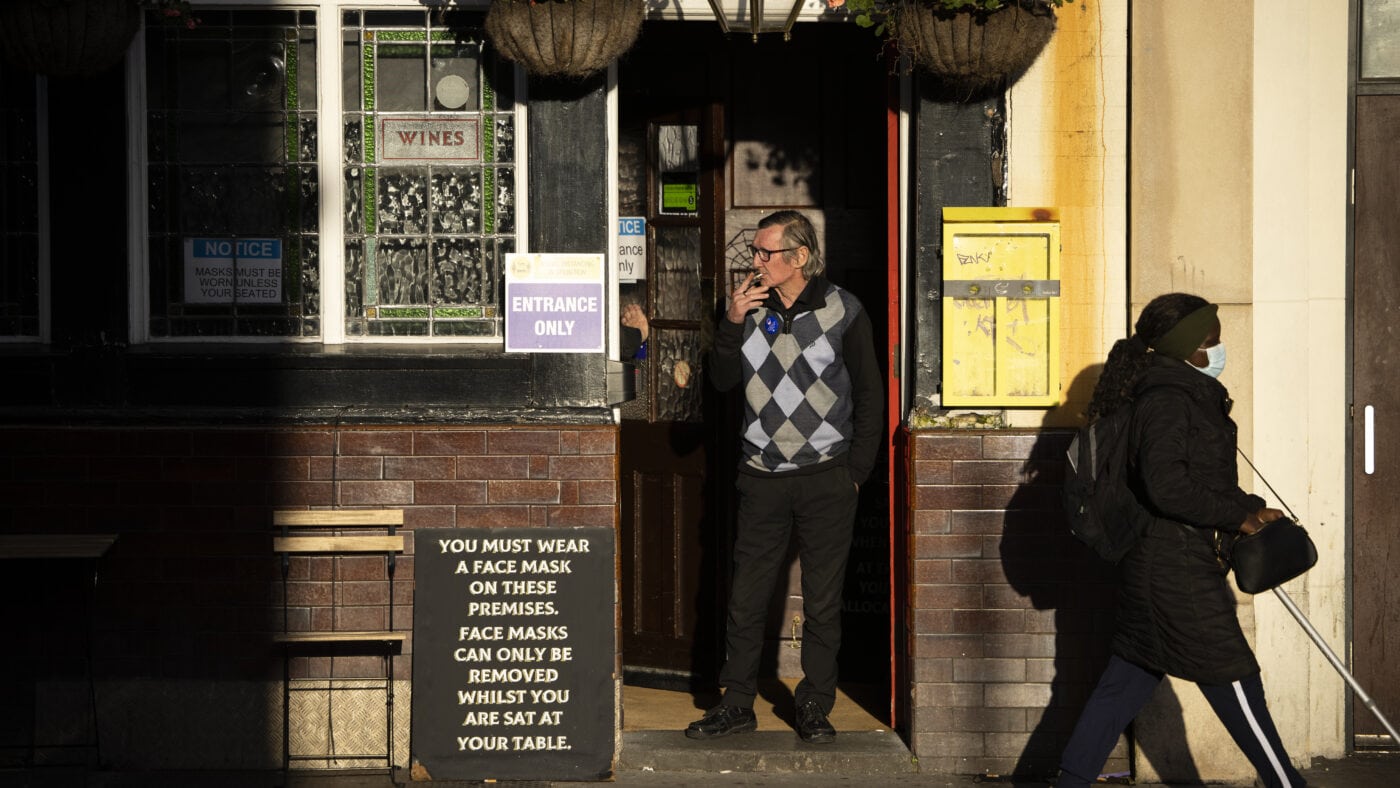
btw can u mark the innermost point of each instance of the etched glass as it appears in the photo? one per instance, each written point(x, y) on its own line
point(677, 272)
point(678, 380)
point(1380, 39)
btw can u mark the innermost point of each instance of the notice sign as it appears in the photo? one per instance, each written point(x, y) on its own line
point(228, 270)
point(430, 139)
point(514, 649)
point(631, 248)
point(554, 303)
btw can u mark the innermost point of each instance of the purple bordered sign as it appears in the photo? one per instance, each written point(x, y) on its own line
point(554, 303)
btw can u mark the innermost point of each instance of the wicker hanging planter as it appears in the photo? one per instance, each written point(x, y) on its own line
point(564, 38)
point(64, 38)
point(974, 51)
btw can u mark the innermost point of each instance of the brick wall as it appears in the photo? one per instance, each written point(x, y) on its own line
point(190, 593)
point(1008, 616)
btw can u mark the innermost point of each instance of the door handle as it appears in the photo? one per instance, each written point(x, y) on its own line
point(1369, 441)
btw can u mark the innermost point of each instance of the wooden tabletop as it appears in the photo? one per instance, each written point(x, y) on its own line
point(55, 545)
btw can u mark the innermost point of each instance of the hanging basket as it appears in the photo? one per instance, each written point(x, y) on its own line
point(564, 38)
point(67, 38)
point(973, 51)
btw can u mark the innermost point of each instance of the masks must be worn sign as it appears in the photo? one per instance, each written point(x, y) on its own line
point(233, 270)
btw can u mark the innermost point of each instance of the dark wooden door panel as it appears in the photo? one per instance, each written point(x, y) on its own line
point(1375, 483)
point(670, 604)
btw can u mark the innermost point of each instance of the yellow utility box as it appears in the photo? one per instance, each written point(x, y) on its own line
point(1001, 307)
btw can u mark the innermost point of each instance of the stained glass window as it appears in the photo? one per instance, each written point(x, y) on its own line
point(231, 150)
point(430, 204)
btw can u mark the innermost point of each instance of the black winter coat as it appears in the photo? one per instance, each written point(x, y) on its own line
point(1176, 613)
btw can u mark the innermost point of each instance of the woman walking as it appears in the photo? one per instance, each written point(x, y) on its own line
point(1176, 612)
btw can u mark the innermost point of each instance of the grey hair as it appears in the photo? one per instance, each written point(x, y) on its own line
point(798, 231)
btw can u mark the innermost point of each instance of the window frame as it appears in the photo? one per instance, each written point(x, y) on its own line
point(42, 223)
point(330, 165)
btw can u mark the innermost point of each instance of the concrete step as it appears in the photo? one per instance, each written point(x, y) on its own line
point(767, 752)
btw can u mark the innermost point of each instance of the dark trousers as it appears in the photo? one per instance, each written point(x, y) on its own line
point(822, 508)
point(1121, 694)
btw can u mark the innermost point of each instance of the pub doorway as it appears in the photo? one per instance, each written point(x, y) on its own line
point(716, 132)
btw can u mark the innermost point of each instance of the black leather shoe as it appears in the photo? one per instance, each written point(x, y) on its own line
point(722, 720)
point(812, 725)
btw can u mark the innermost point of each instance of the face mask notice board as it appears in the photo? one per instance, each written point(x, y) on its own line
point(514, 654)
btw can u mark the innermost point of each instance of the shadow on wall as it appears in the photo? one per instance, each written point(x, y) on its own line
point(1081, 590)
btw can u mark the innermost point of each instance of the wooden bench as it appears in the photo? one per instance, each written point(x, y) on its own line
point(339, 533)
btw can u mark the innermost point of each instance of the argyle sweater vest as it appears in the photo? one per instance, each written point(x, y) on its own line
point(797, 393)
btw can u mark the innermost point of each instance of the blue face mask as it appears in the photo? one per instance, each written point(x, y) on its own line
point(1215, 361)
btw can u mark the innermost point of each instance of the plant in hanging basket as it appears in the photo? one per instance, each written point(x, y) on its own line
point(564, 38)
point(971, 46)
point(64, 38)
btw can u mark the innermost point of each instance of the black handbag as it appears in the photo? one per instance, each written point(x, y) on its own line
point(1271, 556)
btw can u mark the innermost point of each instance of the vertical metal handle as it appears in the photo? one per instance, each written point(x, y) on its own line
point(1370, 440)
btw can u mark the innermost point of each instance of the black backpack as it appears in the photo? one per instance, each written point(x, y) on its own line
point(1100, 506)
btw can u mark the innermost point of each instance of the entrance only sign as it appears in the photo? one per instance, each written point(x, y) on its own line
point(554, 303)
point(631, 248)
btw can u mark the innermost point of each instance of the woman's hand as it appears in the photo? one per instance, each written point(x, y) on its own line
point(1257, 520)
point(746, 299)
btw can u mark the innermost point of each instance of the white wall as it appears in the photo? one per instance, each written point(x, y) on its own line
point(1300, 207)
point(1235, 188)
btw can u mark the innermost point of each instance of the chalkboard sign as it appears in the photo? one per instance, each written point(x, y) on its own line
point(514, 648)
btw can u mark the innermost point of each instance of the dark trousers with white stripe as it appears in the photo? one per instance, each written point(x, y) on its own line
point(1121, 694)
point(821, 507)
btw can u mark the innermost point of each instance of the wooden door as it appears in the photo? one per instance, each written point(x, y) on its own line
point(674, 506)
point(776, 124)
point(1375, 456)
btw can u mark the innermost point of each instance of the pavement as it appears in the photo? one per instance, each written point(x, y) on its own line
point(747, 761)
point(655, 752)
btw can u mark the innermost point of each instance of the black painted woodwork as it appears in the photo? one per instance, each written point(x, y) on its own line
point(959, 156)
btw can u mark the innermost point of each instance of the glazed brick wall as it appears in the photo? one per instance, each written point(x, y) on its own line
point(1009, 617)
point(191, 588)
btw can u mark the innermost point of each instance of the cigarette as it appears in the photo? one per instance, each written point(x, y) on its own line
point(757, 278)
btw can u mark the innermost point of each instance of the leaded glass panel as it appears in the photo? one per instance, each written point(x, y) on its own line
point(403, 200)
point(401, 270)
point(19, 207)
point(234, 200)
point(429, 157)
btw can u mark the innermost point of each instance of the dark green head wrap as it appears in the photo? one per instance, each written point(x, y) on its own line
point(1184, 337)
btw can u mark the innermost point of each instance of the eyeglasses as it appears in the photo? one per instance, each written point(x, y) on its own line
point(764, 255)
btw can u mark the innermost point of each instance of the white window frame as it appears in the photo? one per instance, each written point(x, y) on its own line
point(329, 172)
